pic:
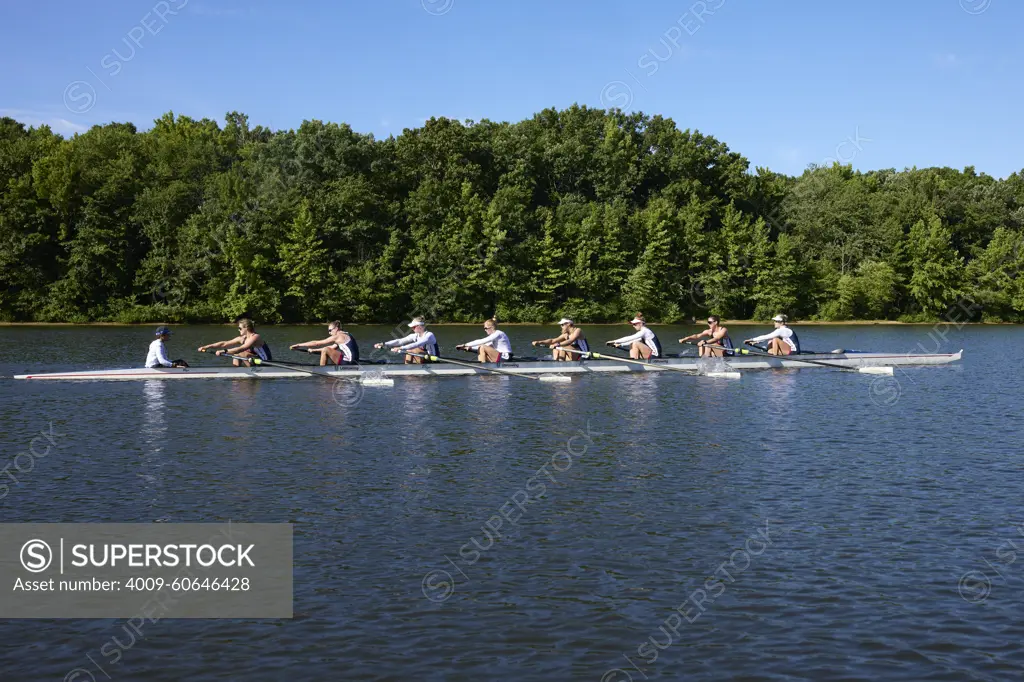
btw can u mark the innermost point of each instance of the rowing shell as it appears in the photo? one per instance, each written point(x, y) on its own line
point(525, 367)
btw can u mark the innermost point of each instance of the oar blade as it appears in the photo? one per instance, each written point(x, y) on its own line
point(724, 375)
point(556, 378)
point(385, 382)
point(886, 370)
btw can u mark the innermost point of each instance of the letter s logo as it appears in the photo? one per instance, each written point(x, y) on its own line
point(36, 556)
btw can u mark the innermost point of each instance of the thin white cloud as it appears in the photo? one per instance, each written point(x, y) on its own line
point(36, 119)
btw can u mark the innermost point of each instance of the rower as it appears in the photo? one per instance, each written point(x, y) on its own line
point(419, 344)
point(719, 336)
point(248, 344)
point(494, 347)
point(339, 346)
point(158, 352)
point(571, 337)
point(783, 341)
point(642, 344)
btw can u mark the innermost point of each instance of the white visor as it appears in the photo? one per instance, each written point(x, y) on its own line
point(779, 318)
point(565, 320)
point(636, 320)
point(417, 323)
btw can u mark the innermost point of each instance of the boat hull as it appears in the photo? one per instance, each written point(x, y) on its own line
point(851, 360)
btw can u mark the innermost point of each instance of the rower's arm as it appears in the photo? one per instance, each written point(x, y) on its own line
point(720, 334)
point(774, 334)
point(484, 341)
point(398, 342)
point(427, 339)
point(223, 344)
point(161, 356)
point(316, 344)
point(699, 334)
point(628, 339)
point(253, 340)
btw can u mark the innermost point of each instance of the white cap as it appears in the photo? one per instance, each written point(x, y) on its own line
point(635, 320)
point(565, 320)
point(779, 318)
point(417, 323)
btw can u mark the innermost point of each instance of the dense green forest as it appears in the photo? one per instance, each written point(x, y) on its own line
point(587, 213)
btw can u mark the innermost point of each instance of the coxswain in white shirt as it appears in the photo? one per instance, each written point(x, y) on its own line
point(571, 337)
point(717, 335)
point(157, 356)
point(494, 347)
point(416, 346)
point(339, 347)
point(782, 341)
point(643, 344)
point(247, 345)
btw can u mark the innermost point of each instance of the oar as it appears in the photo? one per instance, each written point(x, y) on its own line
point(885, 369)
point(544, 377)
point(367, 381)
point(691, 372)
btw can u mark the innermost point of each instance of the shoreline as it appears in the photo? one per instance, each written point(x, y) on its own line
point(808, 323)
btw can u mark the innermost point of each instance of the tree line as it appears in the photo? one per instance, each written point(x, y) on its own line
point(580, 212)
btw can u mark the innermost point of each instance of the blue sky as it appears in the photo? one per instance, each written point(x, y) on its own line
point(875, 83)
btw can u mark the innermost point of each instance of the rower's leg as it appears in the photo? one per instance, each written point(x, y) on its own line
point(643, 351)
point(774, 348)
point(489, 354)
point(716, 352)
point(330, 353)
point(244, 354)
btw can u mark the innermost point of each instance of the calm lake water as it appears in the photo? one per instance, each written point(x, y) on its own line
point(807, 524)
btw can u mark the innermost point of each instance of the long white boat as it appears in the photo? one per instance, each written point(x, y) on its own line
point(851, 360)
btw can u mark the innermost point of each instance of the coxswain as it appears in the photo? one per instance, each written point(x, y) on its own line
point(158, 351)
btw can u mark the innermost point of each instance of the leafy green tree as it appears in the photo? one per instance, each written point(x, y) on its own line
point(596, 214)
point(997, 277)
point(779, 288)
point(304, 265)
point(937, 269)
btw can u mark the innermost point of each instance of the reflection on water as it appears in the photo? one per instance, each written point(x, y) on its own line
point(876, 510)
point(154, 414)
point(153, 441)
